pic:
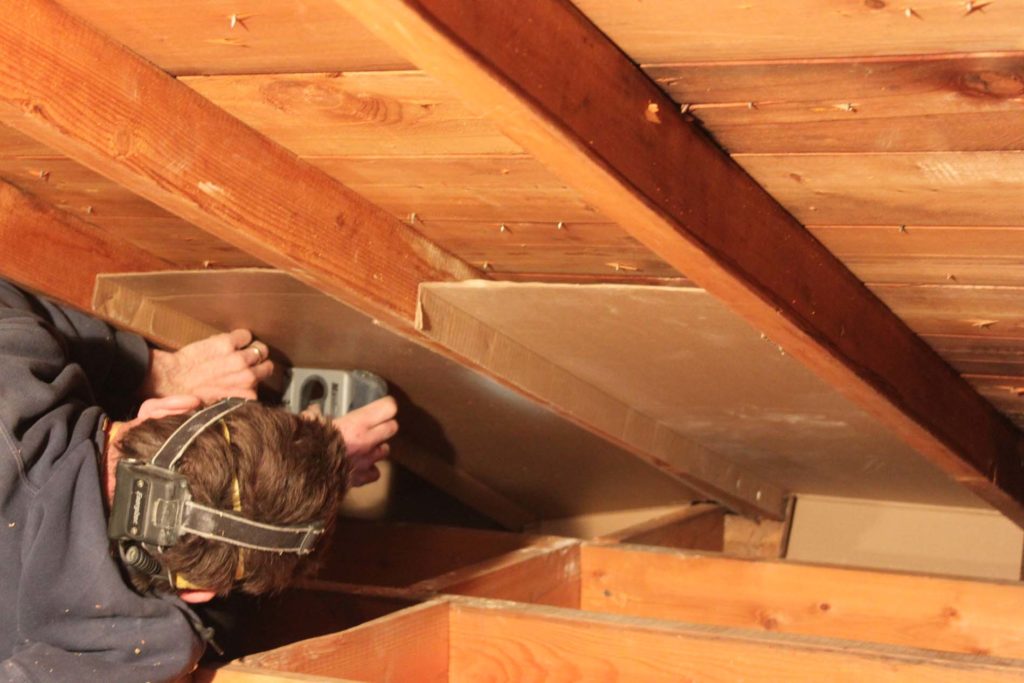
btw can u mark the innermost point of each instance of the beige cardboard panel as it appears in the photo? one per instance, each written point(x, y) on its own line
point(681, 358)
point(705, 470)
point(887, 535)
point(516, 447)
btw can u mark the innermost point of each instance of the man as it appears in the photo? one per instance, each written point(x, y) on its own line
point(67, 385)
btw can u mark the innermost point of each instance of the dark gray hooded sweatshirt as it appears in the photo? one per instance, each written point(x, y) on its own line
point(66, 612)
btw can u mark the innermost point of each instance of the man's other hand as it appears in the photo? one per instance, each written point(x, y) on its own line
point(366, 431)
point(221, 366)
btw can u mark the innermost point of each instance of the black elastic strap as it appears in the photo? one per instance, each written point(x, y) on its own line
point(172, 449)
point(220, 525)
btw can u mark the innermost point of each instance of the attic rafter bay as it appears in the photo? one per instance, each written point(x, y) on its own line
point(86, 96)
point(75, 90)
point(568, 95)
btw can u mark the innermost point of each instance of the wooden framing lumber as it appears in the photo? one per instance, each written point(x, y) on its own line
point(55, 253)
point(411, 645)
point(952, 615)
point(698, 527)
point(973, 617)
point(567, 94)
point(241, 673)
point(537, 574)
point(458, 639)
point(68, 86)
point(520, 641)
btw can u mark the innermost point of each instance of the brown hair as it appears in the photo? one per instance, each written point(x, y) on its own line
point(290, 470)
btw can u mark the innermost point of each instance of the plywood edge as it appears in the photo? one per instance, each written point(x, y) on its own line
point(116, 299)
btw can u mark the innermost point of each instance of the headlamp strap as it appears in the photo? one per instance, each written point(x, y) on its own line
point(221, 525)
point(172, 449)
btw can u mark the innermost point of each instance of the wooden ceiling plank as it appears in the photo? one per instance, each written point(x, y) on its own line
point(591, 116)
point(266, 36)
point(925, 188)
point(669, 31)
point(938, 271)
point(78, 92)
point(39, 242)
point(962, 310)
point(913, 241)
point(971, 103)
point(402, 113)
point(980, 355)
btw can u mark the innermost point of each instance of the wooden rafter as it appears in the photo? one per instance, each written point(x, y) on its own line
point(568, 95)
point(70, 87)
point(39, 242)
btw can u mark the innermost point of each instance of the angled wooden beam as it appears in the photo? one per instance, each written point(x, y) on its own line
point(568, 95)
point(72, 88)
point(57, 254)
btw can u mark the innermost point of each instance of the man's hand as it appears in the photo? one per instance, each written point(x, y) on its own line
point(221, 366)
point(365, 432)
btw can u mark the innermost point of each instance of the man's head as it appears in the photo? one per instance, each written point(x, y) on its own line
point(289, 472)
